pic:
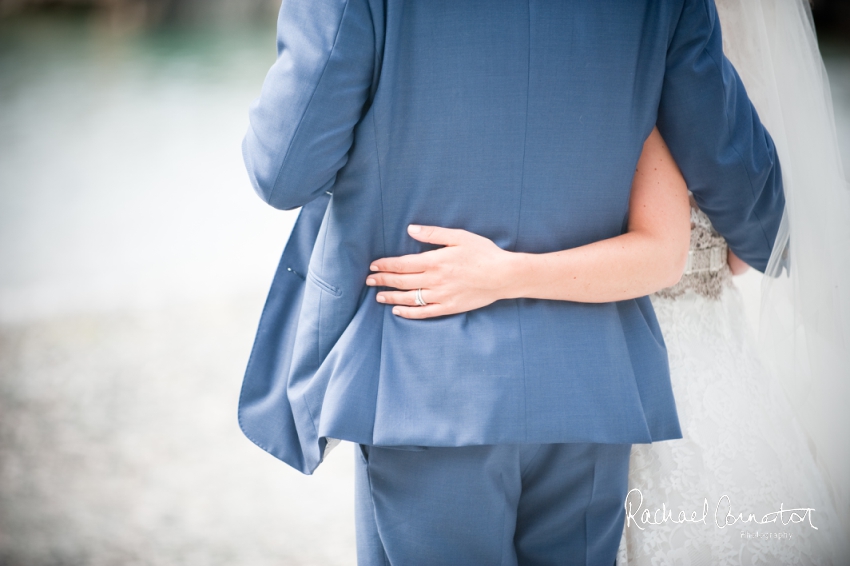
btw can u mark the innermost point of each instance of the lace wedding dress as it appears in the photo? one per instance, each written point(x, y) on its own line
point(742, 453)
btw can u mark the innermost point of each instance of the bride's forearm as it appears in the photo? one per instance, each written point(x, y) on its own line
point(470, 271)
point(651, 255)
point(625, 267)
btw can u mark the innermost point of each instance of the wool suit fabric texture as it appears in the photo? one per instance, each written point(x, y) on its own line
point(522, 121)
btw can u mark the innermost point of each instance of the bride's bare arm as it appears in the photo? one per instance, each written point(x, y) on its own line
point(471, 271)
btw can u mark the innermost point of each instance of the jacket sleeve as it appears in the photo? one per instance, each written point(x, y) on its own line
point(726, 155)
point(302, 126)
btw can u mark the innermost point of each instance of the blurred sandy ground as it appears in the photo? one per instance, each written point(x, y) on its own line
point(134, 260)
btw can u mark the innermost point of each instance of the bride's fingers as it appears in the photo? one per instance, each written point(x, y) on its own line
point(407, 298)
point(412, 263)
point(418, 313)
point(402, 281)
point(438, 235)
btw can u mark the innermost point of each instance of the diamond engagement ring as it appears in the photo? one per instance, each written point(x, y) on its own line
point(419, 300)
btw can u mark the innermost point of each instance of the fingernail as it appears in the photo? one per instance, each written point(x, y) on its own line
point(380, 299)
point(414, 228)
point(373, 267)
point(396, 310)
point(370, 281)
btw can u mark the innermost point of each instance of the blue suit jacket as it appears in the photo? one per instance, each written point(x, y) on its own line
point(522, 121)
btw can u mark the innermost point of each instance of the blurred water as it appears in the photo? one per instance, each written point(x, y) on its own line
point(133, 265)
point(121, 182)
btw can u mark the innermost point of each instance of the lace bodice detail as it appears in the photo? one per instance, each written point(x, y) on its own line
point(707, 272)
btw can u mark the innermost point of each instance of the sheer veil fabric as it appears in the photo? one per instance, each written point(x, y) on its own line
point(805, 311)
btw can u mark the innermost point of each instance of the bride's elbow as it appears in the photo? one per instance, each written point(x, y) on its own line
point(676, 264)
point(677, 238)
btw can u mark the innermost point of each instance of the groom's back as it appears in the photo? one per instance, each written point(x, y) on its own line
point(519, 120)
point(523, 122)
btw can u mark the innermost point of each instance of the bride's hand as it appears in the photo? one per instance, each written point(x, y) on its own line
point(470, 272)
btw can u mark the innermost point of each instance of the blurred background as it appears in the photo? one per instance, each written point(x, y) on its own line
point(134, 261)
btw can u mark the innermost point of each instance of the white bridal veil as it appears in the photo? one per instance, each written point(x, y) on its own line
point(805, 311)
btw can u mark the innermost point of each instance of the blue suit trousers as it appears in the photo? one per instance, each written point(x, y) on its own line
point(505, 505)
